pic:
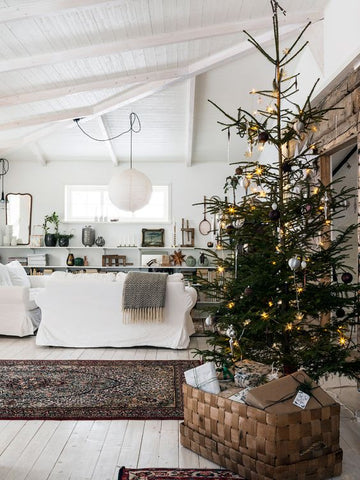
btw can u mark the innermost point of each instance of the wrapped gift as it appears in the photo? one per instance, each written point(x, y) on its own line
point(249, 373)
point(203, 377)
point(278, 396)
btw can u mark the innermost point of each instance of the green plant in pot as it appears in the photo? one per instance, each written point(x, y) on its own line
point(51, 229)
point(64, 238)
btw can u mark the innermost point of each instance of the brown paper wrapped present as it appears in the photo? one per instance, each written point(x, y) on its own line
point(278, 396)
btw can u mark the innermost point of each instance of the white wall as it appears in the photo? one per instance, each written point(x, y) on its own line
point(46, 185)
point(341, 34)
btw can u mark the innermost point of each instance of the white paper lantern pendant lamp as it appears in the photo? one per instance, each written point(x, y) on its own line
point(130, 189)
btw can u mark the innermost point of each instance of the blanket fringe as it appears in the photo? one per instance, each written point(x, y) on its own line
point(148, 315)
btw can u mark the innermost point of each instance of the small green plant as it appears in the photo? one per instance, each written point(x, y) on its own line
point(51, 219)
point(65, 235)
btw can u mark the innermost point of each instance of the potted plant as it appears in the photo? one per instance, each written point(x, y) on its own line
point(51, 222)
point(64, 238)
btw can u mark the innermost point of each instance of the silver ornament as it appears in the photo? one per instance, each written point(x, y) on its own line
point(274, 206)
point(230, 332)
point(303, 264)
point(209, 321)
point(299, 127)
point(294, 263)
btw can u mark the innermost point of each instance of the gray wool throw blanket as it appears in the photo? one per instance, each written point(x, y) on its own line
point(144, 297)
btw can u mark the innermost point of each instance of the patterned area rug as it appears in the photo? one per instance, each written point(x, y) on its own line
point(176, 474)
point(89, 390)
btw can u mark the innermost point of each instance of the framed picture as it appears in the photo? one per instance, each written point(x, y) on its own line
point(152, 238)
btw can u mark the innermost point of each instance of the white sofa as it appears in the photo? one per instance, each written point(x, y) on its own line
point(19, 312)
point(85, 310)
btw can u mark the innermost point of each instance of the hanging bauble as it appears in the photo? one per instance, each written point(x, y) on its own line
point(244, 182)
point(274, 215)
point(303, 264)
point(238, 171)
point(299, 127)
point(340, 312)
point(230, 229)
point(263, 137)
point(230, 332)
point(286, 166)
point(274, 206)
point(347, 277)
point(248, 291)
point(209, 321)
point(294, 263)
point(306, 208)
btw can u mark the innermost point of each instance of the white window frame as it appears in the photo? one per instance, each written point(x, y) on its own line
point(101, 213)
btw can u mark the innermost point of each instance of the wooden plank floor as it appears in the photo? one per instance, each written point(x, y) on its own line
point(94, 450)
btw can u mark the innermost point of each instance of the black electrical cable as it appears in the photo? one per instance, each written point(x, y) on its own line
point(133, 118)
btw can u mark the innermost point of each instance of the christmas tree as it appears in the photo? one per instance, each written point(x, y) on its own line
point(284, 292)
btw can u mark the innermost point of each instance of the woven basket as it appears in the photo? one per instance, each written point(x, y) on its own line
point(259, 445)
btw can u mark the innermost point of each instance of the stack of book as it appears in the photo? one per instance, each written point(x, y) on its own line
point(37, 260)
point(22, 260)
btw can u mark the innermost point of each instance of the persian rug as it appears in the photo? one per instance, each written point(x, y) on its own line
point(176, 474)
point(92, 390)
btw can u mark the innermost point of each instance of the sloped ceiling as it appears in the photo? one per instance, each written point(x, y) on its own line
point(101, 59)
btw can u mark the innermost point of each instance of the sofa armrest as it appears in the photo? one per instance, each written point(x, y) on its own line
point(38, 281)
point(14, 295)
point(193, 296)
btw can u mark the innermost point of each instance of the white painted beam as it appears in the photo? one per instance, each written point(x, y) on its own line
point(46, 118)
point(146, 89)
point(46, 7)
point(108, 145)
point(190, 120)
point(201, 66)
point(106, 82)
point(130, 96)
point(38, 154)
point(117, 47)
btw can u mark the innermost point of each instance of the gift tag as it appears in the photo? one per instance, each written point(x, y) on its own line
point(301, 399)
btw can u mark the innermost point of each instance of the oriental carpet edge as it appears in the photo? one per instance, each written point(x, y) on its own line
point(176, 474)
point(92, 389)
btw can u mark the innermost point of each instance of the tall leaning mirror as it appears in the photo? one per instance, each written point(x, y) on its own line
point(18, 214)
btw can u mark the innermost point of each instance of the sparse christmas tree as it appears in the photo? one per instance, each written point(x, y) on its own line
point(285, 293)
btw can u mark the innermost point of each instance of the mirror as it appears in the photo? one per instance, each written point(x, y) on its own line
point(18, 214)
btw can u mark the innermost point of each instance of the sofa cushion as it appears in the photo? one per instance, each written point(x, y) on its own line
point(175, 277)
point(18, 274)
point(5, 280)
point(82, 277)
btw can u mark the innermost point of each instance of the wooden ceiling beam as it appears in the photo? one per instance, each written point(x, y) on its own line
point(117, 81)
point(111, 48)
point(143, 90)
point(190, 120)
point(108, 145)
point(46, 7)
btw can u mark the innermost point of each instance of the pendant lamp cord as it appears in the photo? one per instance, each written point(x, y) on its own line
point(135, 126)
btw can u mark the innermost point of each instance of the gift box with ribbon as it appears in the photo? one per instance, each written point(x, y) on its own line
point(203, 377)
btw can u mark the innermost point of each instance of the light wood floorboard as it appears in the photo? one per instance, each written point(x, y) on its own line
point(94, 450)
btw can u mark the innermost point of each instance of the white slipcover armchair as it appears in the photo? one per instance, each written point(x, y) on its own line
point(19, 312)
point(85, 310)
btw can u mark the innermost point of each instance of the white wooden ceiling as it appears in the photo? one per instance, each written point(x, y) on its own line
point(102, 59)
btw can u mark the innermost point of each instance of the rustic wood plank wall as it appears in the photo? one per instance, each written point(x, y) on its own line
point(341, 128)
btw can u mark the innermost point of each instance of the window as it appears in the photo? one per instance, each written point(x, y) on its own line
point(91, 203)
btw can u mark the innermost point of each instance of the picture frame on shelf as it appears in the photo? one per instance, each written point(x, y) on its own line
point(152, 237)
